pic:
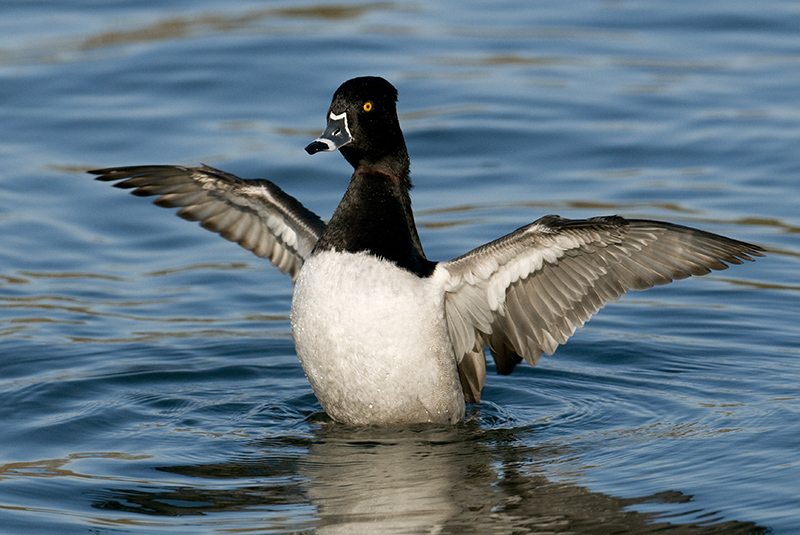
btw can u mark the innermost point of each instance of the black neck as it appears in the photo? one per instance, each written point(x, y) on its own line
point(375, 217)
point(393, 159)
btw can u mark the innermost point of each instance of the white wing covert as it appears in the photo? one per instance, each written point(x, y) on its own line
point(525, 293)
point(254, 213)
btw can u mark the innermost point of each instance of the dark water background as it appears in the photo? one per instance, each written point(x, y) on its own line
point(148, 381)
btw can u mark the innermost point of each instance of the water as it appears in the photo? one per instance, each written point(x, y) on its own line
point(148, 381)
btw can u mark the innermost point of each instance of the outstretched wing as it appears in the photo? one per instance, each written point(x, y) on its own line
point(256, 214)
point(525, 293)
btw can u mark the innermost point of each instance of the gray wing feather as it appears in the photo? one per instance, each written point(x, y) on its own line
point(525, 293)
point(256, 213)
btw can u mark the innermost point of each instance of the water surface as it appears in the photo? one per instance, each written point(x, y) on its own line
point(148, 380)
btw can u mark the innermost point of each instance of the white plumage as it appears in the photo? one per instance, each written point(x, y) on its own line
point(372, 339)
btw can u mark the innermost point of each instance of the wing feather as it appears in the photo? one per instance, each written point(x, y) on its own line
point(255, 213)
point(526, 293)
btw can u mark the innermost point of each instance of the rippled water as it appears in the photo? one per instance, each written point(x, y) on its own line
point(148, 381)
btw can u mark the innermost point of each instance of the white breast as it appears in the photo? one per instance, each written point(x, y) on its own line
point(373, 341)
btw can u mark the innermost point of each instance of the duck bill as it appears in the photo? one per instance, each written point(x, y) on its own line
point(336, 134)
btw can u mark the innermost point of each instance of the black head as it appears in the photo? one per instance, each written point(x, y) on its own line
point(363, 126)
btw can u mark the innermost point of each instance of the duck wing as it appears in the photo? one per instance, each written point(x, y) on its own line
point(525, 293)
point(254, 213)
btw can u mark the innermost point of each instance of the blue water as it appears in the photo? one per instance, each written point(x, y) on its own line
point(148, 380)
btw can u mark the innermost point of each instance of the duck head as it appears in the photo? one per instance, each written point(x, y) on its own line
point(363, 126)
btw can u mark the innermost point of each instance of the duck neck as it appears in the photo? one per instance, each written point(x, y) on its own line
point(392, 160)
point(375, 217)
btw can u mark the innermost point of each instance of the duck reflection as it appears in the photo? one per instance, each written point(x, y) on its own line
point(423, 479)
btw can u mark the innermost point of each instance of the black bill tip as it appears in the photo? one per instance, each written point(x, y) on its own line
point(317, 146)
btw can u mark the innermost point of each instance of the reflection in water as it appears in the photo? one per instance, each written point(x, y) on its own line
point(425, 479)
point(172, 26)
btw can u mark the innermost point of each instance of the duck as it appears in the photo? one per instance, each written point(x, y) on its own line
point(387, 337)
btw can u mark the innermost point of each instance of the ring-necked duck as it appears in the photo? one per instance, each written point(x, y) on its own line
point(388, 337)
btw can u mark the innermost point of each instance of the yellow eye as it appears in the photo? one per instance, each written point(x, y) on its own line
point(367, 106)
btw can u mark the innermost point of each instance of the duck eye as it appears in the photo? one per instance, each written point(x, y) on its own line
point(367, 106)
